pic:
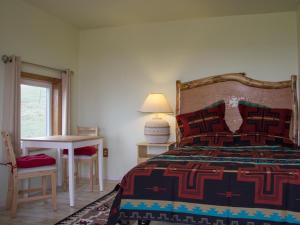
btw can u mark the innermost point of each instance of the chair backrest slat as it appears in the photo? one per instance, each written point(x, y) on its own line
point(9, 148)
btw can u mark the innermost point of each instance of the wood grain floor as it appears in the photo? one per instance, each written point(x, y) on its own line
point(41, 213)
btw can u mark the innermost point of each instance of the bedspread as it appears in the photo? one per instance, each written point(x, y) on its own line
point(213, 185)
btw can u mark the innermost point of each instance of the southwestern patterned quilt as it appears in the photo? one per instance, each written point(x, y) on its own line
point(242, 184)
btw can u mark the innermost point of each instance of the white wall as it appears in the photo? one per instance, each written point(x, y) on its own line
point(119, 66)
point(36, 37)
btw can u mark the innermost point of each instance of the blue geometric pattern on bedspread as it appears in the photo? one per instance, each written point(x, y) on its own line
point(243, 213)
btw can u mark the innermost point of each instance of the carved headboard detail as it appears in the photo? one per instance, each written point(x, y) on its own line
point(196, 94)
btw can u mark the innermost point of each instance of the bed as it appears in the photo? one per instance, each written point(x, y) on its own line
point(218, 178)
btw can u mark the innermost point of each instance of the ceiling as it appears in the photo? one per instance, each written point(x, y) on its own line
point(86, 14)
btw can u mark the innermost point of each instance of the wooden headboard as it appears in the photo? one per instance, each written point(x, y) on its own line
point(197, 94)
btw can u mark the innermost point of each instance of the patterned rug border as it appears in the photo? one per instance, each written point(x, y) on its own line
point(60, 222)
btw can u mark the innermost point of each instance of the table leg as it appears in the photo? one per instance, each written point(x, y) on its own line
point(59, 166)
point(100, 164)
point(71, 176)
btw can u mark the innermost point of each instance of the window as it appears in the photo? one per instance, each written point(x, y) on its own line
point(41, 105)
point(35, 108)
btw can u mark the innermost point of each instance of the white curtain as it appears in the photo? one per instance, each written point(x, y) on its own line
point(66, 102)
point(12, 101)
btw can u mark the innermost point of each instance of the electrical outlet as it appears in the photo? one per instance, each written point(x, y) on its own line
point(105, 152)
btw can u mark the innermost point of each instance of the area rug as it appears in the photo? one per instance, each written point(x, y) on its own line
point(95, 213)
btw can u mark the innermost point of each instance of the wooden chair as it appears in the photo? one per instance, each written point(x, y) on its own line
point(26, 167)
point(85, 154)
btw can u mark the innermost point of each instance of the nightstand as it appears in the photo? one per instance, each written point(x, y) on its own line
point(147, 151)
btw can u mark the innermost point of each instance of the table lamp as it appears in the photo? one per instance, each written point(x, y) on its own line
point(157, 130)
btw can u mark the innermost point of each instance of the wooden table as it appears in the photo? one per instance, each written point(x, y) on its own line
point(70, 143)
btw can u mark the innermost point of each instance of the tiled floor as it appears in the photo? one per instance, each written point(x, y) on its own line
point(41, 213)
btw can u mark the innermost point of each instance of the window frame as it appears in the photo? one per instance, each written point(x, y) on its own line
point(56, 98)
point(48, 85)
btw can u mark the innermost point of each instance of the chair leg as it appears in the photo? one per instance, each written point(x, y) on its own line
point(9, 192)
point(53, 190)
point(26, 183)
point(28, 188)
point(96, 169)
point(65, 175)
point(77, 164)
point(91, 174)
point(44, 186)
point(14, 197)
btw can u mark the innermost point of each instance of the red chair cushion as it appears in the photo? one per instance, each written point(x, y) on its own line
point(38, 160)
point(89, 151)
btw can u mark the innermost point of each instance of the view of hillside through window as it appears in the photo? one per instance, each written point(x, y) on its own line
point(34, 111)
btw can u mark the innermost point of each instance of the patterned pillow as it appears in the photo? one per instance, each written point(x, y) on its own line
point(209, 119)
point(208, 139)
point(259, 119)
point(262, 139)
point(236, 140)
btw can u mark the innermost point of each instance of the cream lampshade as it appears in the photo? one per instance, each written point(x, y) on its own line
point(157, 130)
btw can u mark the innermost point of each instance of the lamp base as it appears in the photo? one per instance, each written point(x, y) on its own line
point(157, 131)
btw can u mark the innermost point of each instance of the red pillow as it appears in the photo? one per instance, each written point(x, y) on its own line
point(207, 120)
point(265, 120)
